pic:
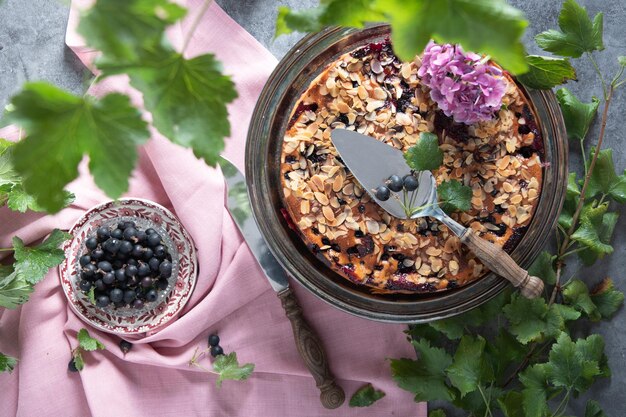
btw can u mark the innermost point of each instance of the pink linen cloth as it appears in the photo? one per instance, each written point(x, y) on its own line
point(231, 297)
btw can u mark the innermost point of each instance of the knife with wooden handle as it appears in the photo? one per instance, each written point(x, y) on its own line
point(307, 341)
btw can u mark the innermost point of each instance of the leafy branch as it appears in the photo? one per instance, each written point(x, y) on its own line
point(224, 366)
point(86, 343)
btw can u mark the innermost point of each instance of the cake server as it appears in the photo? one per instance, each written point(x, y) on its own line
point(372, 162)
point(307, 341)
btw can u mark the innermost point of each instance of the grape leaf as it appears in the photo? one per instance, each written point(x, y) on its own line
point(590, 229)
point(7, 363)
point(454, 196)
point(228, 368)
point(576, 294)
point(33, 263)
point(469, 368)
point(14, 290)
point(187, 99)
point(542, 268)
point(571, 200)
point(574, 365)
point(491, 27)
point(468, 22)
point(617, 191)
point(606, 298)
point(603, 175)
point(365, 396)
point(578, 115)
point(578, 33)
point(138, 25)
point(605, 233)
point(437, 413)
point(88, 343)
point(593, 409)
point(8, 175)
point(546, 72)
point(426, 376)
point(62, 128)
point(511, 404)
point(425, 155)
point(535, 392)
point(504, 350)
point(19, 200)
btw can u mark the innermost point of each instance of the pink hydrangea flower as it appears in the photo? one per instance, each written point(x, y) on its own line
point(461, 83)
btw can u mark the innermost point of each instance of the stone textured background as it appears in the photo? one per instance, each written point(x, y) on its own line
point(32, 48)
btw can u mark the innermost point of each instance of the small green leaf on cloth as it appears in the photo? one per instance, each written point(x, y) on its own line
point(454, 196)
point(228, 368)
point(77, 357)
point(7, 363)
point(578, 33)
point(33, 263)
point(424, 377)
point(606, 298)
point(545, 72)
point(62, 128)
point(425, 155)
point(14, 290)
point(88, 343)
point(578, 115)
point(365, 396)
point(469, 368)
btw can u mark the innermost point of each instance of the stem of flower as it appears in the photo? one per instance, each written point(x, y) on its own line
point(194, 25)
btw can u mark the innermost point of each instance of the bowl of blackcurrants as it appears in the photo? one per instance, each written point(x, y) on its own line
point(130, 267)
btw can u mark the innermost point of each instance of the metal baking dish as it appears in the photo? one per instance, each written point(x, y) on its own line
point(289, 80)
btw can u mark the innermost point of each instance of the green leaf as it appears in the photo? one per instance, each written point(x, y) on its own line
point(605, 233)
point(490, 27)
point(91, 295)
point(19, 200)
point(8, 175)
point(511, 404)
point(7, 363)
point(33, 263)
point(426, 376)
point(593, 409)
point(307, 20)
point(77, 356)
point(437, 413)
point(366, 396)
point(578, 115)
point(187, 99)
point(603, 175)
point(591, 228)
point(535, 392)
point(227, 367)
point(425, 155)
point(504, 350)
point(578, 33)
point(123, 29)
point(62, 128)
point(576, 294)
point(454, 196)
point(469, 368)
point(574, 365)
point(571, 200)
point(617, 191)
point(606, 298)
point(14, 290)
point(88, 343)
point(542, 268)
point(621, 60)
point(545, 72)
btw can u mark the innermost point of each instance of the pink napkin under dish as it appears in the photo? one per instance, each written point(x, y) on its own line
point(231, 297)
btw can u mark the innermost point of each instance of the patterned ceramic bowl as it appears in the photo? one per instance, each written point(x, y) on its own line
point(170, 302)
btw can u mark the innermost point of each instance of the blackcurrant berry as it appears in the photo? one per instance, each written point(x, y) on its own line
point(143, 270)
point(154, 264)
point(141, 236)
point(130, 233)
point(116, 295)
point(214, 340)
point(216, 351)
point(160, 251)
point(117, 234)
point(383, 193)
point(120, 274)
point(131, 271)
point(125, 346)
point(129, 224)
point(112, 245)
point(108, 278)
point(103, 301)
point(148, 254)
point(99, 285)
point(129, 296)
point(72, 366)
point(85, 285)
point(103, 233)
point(137, 304)
point(105, 266)
point(146, 282)
point(165, 269)
point(151, 295)
point(410, 183)
point(162, 284)
point(97, 254)
point(394, 183)
point(91, 243)
point(126, 247)
point(84, 260)
point(150, 230)
point(138, 251)
point(154, 239)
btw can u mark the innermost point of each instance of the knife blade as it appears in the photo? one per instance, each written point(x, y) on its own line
point(372, 162)
point(307, 341)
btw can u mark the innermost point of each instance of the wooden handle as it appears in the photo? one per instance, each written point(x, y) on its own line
point(311, 350)
point(498, 261)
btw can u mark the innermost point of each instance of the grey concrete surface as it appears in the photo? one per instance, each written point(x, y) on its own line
point(32, 48)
